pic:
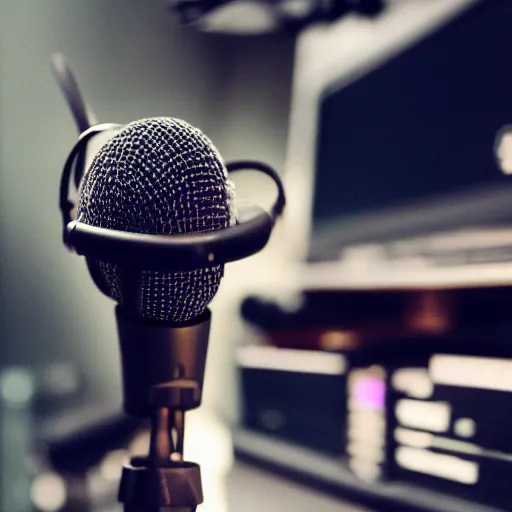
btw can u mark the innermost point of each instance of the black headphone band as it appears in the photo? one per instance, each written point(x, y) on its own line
point(253, 165)
point(163, 252)
point(77, 153)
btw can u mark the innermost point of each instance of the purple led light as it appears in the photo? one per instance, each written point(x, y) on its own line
point(370, 393)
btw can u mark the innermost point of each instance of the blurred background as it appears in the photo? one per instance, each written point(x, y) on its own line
point(362, 360)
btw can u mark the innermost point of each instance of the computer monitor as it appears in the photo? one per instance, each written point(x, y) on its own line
point(394, 124)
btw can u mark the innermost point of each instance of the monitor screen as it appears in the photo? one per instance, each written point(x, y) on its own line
point(419, 126)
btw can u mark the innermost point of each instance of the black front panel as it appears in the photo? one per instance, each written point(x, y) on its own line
point(304, 408)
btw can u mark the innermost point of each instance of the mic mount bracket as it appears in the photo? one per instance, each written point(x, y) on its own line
point(162, 364)
point(176, 253)
point(162, 382)
point(163, 481)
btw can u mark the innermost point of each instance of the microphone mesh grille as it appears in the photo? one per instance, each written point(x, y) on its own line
point(159, 176)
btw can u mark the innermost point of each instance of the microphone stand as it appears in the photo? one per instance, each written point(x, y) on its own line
point(163, 371)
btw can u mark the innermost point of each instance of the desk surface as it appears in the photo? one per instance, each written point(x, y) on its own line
point(255, 490)
point(323, 473)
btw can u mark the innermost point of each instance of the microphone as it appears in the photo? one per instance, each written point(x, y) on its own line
point(157, 221)
point(159, 176)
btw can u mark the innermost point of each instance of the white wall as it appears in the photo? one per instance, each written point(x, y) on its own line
point(132, 61)
point(254, 125)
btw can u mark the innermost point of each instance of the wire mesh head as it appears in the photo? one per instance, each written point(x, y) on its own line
point(158, 176)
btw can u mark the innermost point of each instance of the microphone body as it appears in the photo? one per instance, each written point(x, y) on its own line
point(169, 368)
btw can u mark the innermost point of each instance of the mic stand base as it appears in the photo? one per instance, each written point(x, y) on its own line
point(175, 487)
